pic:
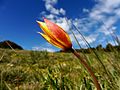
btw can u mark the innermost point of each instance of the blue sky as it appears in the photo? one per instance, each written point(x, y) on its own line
point(95, 19)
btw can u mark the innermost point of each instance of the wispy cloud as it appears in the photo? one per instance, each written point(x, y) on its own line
point(49, 5)
point(45, 47)
point(38, 48)
point(106, 12)
point(100, 20)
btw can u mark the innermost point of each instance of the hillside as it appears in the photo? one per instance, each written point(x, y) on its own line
point(8, 44)
point(33, 70)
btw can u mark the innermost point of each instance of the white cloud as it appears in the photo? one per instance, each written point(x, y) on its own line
point(55, 14)
point(51, 1)
point(63, 23)
point(62, 11)
point(107, 26)
point(109, 4)
point(107, 14)
point(105, 7)
point(45, 47)
point(91, 38)
point(100, 20)
point(49, 5)
point(85, 10)
point(118, 37)
point(38, 48)
point(50, 16)
point(60, 21)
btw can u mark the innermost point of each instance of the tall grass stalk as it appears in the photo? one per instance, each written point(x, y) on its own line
point(7, 86)
point(111, 33)
point(80, 47)
point(98, 58)
point(10, 46)
point(89, 46)
point(73, 34)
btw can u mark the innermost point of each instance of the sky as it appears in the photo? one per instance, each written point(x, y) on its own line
point(95, 19)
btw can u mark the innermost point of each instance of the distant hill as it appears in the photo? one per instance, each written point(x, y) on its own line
point(7, 44)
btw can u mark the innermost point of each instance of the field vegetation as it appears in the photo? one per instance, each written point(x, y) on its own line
point(42, 70)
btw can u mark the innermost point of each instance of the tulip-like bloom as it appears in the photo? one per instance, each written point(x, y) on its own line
point(55, 35)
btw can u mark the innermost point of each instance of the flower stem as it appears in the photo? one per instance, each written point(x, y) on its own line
point(82, 61)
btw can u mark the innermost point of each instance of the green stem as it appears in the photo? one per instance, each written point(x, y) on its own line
point(82, 61)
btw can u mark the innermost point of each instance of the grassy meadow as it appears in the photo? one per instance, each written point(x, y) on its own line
point(42, 70)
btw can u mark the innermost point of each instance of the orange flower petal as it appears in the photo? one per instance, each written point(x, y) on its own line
point(52, 41)
point(59, 33)
point(51, 35)
point(45, 29)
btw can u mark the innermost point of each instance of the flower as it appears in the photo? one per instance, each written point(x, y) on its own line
point(55, 35)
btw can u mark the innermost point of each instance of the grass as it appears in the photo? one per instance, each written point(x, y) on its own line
point(40, 70)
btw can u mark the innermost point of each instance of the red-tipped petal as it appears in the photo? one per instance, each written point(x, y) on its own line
point(55, 43)
point(59, 33)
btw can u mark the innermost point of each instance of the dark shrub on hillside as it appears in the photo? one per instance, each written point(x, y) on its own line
point(99, 47)
point(109, 47)
point(6, 44)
